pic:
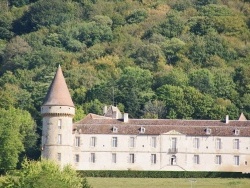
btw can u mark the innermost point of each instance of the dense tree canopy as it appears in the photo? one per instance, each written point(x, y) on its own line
point(155, 59)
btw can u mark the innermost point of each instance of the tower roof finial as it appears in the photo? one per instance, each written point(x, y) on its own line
point(58, 94)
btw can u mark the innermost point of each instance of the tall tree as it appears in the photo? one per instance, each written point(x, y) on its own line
point(17, 135)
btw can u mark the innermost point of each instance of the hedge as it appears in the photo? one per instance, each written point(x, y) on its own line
point(160, 174)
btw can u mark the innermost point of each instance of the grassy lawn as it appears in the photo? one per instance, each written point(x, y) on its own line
point(168, 183)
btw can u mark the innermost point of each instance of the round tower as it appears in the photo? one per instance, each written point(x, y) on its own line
point(58, 111)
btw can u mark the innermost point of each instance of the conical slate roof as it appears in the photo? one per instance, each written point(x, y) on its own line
point(58, 94)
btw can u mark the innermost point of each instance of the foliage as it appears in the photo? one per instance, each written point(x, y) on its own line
point(44, 173)
point(188, 57)
point(17, 135)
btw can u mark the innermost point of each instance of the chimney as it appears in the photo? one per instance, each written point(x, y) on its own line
point(105, 110)
point(125, 117)
point(227, 119)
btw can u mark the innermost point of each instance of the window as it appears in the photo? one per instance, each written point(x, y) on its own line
point(237, 132)
point(153, 158)
point(237, 160)
point(218, 143)
point(92, 158)
point(173, 143)
point(59, 123)
point(236, 144)
point(132, 142)
point(208, 131)
point(218, 159)
point(77, 141)
point(131, 158)
point(59, 139)
point(153, 142)
point(142, 130)
point(196, 143)
point(114, 142)
point(77, 158)
point(59, 156)
point(113, 157)
point(115, 129)
point(196, 159)
point(93, 141)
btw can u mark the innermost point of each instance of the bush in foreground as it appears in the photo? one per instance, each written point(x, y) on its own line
point(39, 174)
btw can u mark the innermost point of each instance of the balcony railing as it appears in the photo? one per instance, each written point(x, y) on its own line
point(172, 150)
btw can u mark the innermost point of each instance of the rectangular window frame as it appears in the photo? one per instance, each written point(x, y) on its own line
point(77, 141)
point(132, 158)
point(92, 158)
point(218, 144)
point(236, 160)
point(59, 139)
point(196, 143)
point(153, 159)
point(131, 142)
point(153, 142)
point(196, 159)
point(59, 124)
point(236, 144)
point(59, 156)
point(114, 142)
point(218, 160)
point(93, 141)
point(114, 159)
point(77, 158)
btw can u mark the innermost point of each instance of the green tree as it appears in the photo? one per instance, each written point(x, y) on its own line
point(45, 13)
point(173, 25)
point(44, 174)
point(134, 89)
point(203, 80)
point(17, 135)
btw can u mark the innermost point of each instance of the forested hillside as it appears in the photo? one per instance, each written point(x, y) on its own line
point(152, 58)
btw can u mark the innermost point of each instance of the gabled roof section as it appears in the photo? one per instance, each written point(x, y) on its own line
point(242, 117)
point(58, 94)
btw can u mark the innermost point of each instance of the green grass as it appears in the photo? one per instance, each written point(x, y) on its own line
point(168, 183)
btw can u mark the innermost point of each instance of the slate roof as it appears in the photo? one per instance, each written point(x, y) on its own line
point(95, 124)
point(58, 94)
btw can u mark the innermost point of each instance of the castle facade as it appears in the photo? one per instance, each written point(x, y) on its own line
point(116, 142)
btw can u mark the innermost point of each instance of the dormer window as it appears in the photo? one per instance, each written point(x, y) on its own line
point(142, 130)
point(115, 129)
point(208, 131)
point(237, 132)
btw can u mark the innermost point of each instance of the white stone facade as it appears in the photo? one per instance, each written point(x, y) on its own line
point(167, 152)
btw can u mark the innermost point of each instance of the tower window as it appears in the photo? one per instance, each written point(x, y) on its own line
point(59, 139)
point(59, 124)
point(59, 156)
